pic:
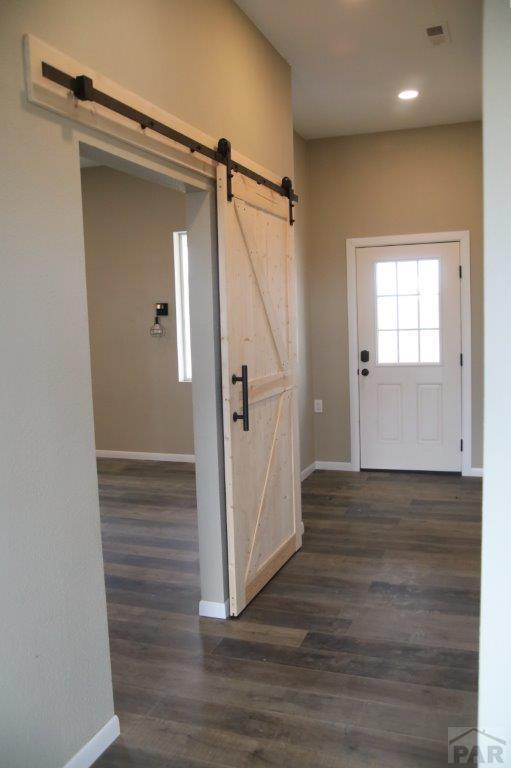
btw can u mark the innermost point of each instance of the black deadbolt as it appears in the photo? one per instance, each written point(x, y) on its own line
point(364, 372)
point(364, 356)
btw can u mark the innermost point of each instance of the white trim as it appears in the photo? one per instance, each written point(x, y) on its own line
point(466, 349)
point(304, 474)
point(186, 458)
point(94, 748)
point(214, 610)
point(475, 472)
point(351, 287)
point(463, 238)
point(337, 466)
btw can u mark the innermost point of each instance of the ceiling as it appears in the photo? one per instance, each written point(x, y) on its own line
point(350, 59)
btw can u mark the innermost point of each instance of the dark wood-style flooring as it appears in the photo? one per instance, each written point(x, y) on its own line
point(360, 652)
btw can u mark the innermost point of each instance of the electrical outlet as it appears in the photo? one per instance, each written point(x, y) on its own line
point(318, 406)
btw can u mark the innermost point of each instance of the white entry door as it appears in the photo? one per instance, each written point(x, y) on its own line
point(261, 442)
point(409, 337)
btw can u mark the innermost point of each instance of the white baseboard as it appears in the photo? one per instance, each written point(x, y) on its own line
point(346, 466)
point(187, 458)
point(338, 466)
point(96, 746)
point(304, 474)
point(214, 610)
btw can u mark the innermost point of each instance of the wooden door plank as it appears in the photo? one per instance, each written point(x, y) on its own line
point(264, 488)
point(260, 197)
point(255, 260)
point(269, 386)
point(270, 568)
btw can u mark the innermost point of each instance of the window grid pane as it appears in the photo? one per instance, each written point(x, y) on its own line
point(430, 346)
point(428, 276)
point(387, 347)
point(387, 313)
point(407, 278)
point(429, 311)
point(408, 346)
point(386, 284)
point(408, 313)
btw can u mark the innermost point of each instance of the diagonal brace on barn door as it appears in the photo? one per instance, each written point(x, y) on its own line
point(266, 481)
point(269, 308)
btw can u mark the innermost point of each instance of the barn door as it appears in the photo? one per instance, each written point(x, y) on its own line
point(258, 323)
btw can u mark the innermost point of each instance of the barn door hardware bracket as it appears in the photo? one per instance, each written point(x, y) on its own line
point(287, 186)
point(82, 88)
point(224, 148)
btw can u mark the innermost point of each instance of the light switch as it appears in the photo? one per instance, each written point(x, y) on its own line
point(318, 406)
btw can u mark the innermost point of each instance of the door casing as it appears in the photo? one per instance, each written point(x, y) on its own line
point(463, 238)
point(207, 388)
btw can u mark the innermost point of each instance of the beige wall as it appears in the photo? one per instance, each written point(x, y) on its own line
point(414, 181)
point(204, 61)
point(139, 403)
point(301, 227)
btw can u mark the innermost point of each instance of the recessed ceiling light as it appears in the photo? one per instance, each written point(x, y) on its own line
point(407, 95)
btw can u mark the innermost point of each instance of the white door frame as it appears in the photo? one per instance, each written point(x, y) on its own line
point(205, 327)
point(463, 238)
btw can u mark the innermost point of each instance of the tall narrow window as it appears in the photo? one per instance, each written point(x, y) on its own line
point(184, 350)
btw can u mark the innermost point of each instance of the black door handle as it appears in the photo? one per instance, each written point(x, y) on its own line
point(244, 394)
point(364, 372)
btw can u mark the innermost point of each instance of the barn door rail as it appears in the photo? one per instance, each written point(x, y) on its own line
point(82, 87)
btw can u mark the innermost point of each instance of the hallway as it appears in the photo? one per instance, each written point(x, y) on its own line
point(360, 652)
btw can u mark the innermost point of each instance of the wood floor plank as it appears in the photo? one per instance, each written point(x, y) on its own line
point(203, 685)
point(361, 651)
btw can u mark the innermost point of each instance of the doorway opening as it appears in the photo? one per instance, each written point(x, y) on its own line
point(150, 258)
point(142, 405)
point(143, 415)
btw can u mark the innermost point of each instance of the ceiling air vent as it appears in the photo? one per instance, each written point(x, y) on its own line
point(438, 34)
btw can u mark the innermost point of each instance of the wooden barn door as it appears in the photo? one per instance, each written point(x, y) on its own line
point(258, 323)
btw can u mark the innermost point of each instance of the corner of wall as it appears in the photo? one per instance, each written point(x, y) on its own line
point(302, 253)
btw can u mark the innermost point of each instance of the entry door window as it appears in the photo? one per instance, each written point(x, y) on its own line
point(408, 314)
